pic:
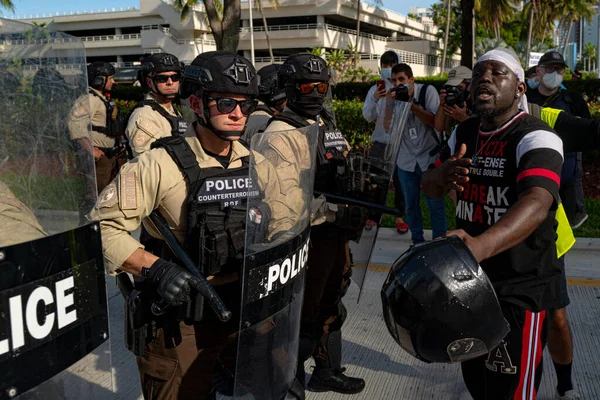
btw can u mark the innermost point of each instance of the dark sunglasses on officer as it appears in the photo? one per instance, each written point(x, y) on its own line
point(226, 105)
point(165, 78)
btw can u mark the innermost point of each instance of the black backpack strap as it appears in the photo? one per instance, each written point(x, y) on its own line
point(181, 152)
point(291, 118)
point(423, 95)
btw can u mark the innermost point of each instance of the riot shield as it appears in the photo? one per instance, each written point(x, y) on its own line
point(370, 175)
point(53, 302)
point(277, 241)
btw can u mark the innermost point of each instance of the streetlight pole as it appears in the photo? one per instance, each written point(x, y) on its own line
point(251, 33)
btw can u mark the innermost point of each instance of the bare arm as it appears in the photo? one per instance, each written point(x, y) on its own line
point(440, 115)
point(519, 222)
point(448, 176)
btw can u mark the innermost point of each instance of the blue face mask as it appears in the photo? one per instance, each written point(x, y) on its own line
point(386, 73)
point(533, 83)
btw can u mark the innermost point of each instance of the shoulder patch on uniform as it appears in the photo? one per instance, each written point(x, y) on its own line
point(281, 147)
point(128, 189)
point(108, 197)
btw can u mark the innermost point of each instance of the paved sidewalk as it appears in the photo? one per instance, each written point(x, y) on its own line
point(370, 352)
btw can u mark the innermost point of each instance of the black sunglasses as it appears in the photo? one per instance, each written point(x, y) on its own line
point(165, 78)
point(226, 105)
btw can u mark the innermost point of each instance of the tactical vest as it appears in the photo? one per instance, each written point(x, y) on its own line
point(178, 124)
point(332, 149)
point(216, 203)
point(112, 118)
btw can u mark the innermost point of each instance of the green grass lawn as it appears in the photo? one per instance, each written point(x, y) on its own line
point(590, 229)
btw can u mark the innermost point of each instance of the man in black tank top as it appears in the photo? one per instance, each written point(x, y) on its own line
point(506, 172)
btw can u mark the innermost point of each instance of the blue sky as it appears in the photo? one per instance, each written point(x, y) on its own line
point(50, 6)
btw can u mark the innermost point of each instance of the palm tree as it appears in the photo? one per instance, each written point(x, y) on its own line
point(467, 32)
point(574, 10)
point(589, 55)
point(223, 17)
point(376, 3)
point(446, 35)
point(274, 4)
point(492, 13)
point(7, 4)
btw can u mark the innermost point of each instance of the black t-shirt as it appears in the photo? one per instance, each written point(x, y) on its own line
point(571, 102)
point(223, 160)
point(521, 154)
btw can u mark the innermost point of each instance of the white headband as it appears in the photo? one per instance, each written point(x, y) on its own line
point(507, 59)
point(513, 64)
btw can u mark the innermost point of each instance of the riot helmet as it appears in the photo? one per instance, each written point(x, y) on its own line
point(440, 306)
point(305, 79)
point(269, 91)
point(153, 65)
point(98, 72)
point(221, 72)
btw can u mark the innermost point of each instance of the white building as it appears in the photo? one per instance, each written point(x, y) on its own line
point(123, 36)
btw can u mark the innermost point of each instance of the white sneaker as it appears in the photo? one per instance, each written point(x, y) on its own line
point(569, 395)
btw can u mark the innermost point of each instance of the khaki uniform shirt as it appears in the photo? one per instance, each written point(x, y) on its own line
point(290, 153)
point(153, 181)
point(257, 121)
point(146, 125)
point(17, 222)
point(89, 108)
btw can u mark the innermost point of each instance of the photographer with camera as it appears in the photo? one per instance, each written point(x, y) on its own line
point(417, 149)
point(453, 101)
point(373, 107)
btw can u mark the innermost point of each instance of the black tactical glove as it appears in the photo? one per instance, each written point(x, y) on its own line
point(351, 217)
point(172, 282)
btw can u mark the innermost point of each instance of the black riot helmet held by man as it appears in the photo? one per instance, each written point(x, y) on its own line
point(297, 75)
point(98, 72)
point(269, 91)
point(154, 64)
point(220, 72)
point(440, 306)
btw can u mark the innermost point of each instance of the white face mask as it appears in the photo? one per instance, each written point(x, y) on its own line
point(552, 80)
point(386, 73)
point(533, 83)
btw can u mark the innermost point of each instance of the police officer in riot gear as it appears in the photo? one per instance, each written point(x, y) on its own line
point(155, 116)
point(271, 101)
point(181, 178)
point(105, 129)
point(305, 79)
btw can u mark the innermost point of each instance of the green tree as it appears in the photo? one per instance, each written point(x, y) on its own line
point(223, 17)
point(574, 10)
point(7, 4)
point(440, 13)
point(376, 3)
point(590, 55)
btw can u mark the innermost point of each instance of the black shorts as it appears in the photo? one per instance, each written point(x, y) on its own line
point(513, 370)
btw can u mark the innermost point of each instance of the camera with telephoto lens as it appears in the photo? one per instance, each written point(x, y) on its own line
point(402, 93)
point(455, 95)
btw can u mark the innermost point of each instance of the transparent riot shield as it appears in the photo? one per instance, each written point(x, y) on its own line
point(370, 175)
point(53, 302)
point(277, 242)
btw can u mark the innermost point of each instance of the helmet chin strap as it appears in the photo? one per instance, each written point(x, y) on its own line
point(158, 92)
